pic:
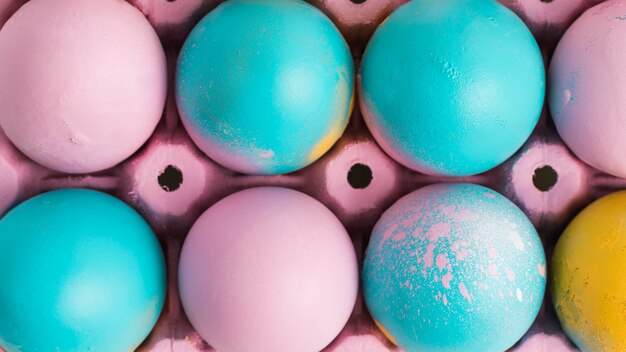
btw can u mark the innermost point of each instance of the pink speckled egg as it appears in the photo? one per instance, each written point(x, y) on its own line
point(82, 83)
point(268, 269)
point(588, 90)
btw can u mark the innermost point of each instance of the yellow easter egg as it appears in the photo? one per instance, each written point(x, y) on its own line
point(588, 276)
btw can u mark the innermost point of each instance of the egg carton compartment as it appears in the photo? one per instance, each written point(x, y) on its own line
point(171, 182)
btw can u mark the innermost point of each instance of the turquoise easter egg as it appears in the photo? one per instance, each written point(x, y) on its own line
point(454, 267)
point(80, 271)
point(265, 87)
point(452, 87)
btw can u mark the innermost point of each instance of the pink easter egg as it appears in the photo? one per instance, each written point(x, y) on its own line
point(268, 269)
point(82, 83)
point(588, 90)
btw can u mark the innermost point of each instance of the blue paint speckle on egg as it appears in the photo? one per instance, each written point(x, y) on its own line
point(454, 267)
point(80, 271)
point(452, 87)
point(265, 87)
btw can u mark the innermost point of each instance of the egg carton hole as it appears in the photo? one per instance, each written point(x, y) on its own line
point(360, 176)
point(170, 179)
point(545, 178)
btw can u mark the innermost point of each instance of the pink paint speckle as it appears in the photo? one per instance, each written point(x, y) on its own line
point(509, 274)
point(413, 215)
point(492, 252)
point(442, 261)
point(459, 215)
point(542, 270)
point(489, 195)
point(428, 256)
point(445, 280)
point(437, 231)
point(445, 300)
point(492, 270)
point(409, 221)
point(399, 236)
point(464, 292)
point(388, 234)
point(417, 232)
point(459, 251)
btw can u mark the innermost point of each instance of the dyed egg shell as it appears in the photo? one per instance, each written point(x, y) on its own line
point(268, 269)
point(81, 271)
point(588, 265)
point(454, 267)
point(87, 89)
point(587, 89)
point(451, 87)
point(265, 87)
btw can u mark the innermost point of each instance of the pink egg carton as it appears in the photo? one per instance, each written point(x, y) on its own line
point(170, 182)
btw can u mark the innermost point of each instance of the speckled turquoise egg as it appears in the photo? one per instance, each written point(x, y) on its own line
point(454, 267)
point(79, 271)
point(265, 86)
point(452, 87)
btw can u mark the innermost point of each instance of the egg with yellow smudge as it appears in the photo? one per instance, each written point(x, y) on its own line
point(265, 87)
point(454, 267)
point(588, 264)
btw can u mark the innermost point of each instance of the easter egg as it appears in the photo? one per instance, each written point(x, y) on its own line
point(586, 276)
point(454, 267)
point(82, 83)
point(81, 271)
point(587, 90)
point(451, 87)
point(268, 269)
point(265, 87)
